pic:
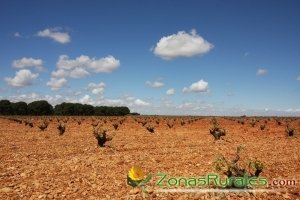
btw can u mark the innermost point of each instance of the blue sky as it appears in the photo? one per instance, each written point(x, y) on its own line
point(156, 57)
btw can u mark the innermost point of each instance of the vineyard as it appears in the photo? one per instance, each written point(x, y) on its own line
point(59, 157)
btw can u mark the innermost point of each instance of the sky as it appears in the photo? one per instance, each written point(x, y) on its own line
point(170, 57)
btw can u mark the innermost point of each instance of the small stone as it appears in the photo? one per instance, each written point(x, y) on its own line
point(84, 193)
point(134, 191)
point(23, 175)
point(41, 196)
point(5, 190)
point(286, 196)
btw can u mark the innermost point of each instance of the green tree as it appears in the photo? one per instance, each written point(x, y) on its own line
point(41, 107)
point(6, 108)
point(20, 108)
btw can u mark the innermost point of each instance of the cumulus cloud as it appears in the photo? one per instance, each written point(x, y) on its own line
point(81, 67)
point(170, 91)
point(60, 73)
point(181, 44)
point(139, 102)
point(106, 64)
point(28, 62)
point(261, 72)
point(24, 77)
point(96, 88)
point(200, 86)
point(155, 84)
point(56, 83)
point(55, 34)
point(298, 78)
point(78, 73)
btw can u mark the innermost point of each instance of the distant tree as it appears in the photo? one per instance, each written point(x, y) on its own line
point(41, 107)
point(6, 108)
point(134, 113)
point(88, 109)
point(20, 108)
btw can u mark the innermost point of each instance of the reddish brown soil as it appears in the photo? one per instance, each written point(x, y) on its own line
point(39, 164)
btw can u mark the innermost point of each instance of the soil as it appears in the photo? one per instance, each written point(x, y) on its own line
point(39, 164)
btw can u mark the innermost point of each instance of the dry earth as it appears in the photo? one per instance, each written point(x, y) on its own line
point(39, 164)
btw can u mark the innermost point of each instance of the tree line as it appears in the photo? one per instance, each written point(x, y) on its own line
point(42, 107)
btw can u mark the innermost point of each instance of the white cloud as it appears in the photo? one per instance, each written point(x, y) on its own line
point(298, 78)
point(60, 73)
point(28, 62)
point(129, 98)
point(86, 99)
point(17, 35)
point(96, 88)
point(56, 35)
point(291, 110)
point(261, 72)
point(170, 91)
point(139, 102)
point(200, 86)
point(155, 84)
point(186, 105)
point(56, 83)
point(81, 67)
point(106, 64)
point(181, 44)
point(78, 73)
point(23, 77)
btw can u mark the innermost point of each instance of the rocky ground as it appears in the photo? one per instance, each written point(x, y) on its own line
point(39, 164)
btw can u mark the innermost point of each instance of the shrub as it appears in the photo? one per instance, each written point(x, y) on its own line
point(100, 135)
point(116, 126)
point(150, 129)
point(61, 128)
point(43, 125)
point(29, 123)
point(262, 127)
point(233, 170)
point(290, 130)
point(182, 123)
point(170, 125)
point(253, 122)
point(216, 131)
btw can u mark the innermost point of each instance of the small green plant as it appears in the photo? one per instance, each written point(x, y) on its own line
point(144, 123)
point(216, 131)
point(101, 136)
point(28, 123)
point(241, 121)
point(290, 130)
point(116, 126)
point(150, 129)
point(43, 125)
point(262, 127)
point(170, 125)
point(253, 122)
point(182, 123)
point(61, 128)
point(232, 169)
point(279, 123)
